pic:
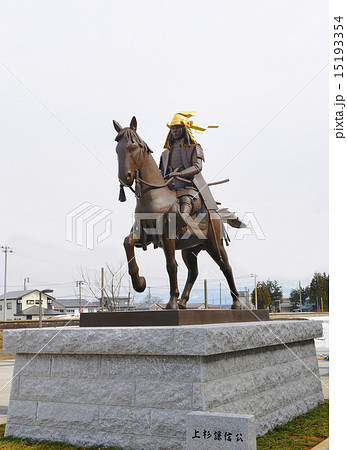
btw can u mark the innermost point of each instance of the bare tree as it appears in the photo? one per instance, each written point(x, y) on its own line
point(113, 281)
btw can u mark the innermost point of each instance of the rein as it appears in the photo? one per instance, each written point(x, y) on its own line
point(156, 186)
point(137, 178)
point(137, 192)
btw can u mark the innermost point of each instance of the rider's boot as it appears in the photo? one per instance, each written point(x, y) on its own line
point(186, 209)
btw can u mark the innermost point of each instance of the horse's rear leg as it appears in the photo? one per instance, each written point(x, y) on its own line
point(225, 267)
point(139, 283)
point(216, 250)
point(190, 259)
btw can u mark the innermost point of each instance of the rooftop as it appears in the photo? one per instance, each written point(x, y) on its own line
point(75, 302)
point(35, 311)
point(14, 295)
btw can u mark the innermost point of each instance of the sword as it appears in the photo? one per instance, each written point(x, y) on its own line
point(218, 182)
point(208, 184)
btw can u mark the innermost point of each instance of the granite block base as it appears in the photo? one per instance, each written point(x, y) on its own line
point(133, 388)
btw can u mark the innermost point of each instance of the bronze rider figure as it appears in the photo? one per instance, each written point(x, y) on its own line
point(183, 159)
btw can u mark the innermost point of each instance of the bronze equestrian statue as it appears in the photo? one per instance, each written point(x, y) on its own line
point(178, 199)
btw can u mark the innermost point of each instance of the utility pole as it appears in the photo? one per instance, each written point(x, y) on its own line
point(45, 291)
point(253, 275)
point(102, 288)
point(26, 280)
point(205, 293)
point(80, 284)
point(6, 249)
point(300, 296)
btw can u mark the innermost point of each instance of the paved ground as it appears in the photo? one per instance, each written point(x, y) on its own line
point(324, 376)
point(323, 368)
point(6, 370)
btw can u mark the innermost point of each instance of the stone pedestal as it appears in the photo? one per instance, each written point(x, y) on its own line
point(133, 387)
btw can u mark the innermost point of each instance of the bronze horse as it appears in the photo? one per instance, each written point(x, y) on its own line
point(135, 163)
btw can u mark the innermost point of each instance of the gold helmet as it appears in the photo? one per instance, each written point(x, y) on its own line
point(182, 118)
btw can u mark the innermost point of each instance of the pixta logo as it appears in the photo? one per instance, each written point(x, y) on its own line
point(252, 227)
point(88, 223)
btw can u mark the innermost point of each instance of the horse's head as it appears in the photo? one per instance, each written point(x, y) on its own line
point(131, 150)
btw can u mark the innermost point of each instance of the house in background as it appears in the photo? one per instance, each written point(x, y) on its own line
point(191, 305)
point(72, 305)
point(286, 305)
point(33, 313)
point(245, 299)
point(18, 303)
point(156, 307)
point(119, 303)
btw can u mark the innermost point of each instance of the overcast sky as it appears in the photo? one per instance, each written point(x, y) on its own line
point(256, 69)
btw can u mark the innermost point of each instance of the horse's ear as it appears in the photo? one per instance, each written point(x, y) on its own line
point(133, 124)
point(117, 126)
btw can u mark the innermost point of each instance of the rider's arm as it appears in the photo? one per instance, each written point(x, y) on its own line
point(192, 170)
point(196, 167)
point(161, 168)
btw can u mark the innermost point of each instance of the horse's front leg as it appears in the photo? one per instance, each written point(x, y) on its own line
point(139, 283)
point(190, 259)
point(171, 266)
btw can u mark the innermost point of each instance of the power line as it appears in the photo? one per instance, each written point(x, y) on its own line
point(39, 285)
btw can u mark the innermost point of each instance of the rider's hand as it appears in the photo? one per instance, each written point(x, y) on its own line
point(175, 173)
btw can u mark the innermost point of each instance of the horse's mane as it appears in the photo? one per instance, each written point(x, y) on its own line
point(131, 135)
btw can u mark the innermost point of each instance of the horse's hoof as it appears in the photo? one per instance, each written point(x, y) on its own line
point(172, 305)
point(139, 283)
point(182, 305)
point(236, 305)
